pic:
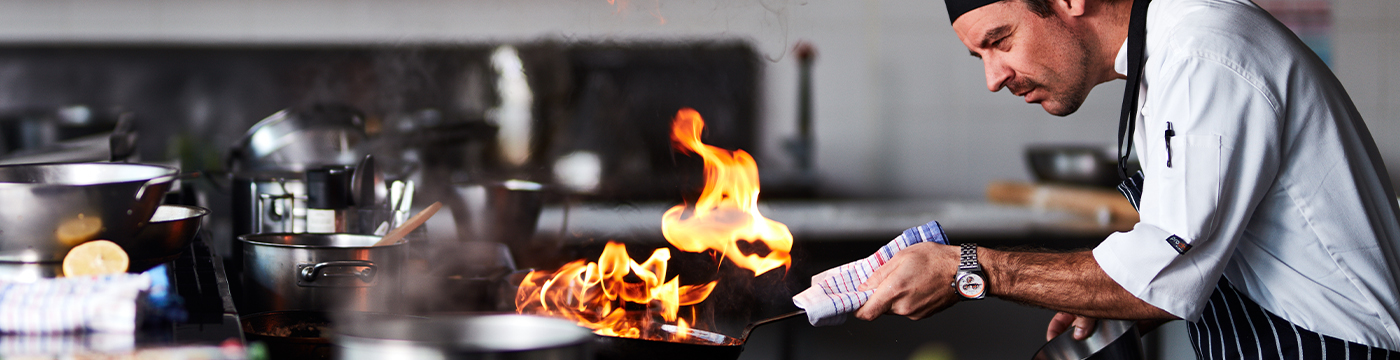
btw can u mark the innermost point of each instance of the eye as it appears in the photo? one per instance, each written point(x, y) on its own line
point(1000, 44)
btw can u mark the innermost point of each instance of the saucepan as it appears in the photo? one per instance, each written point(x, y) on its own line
point(1111, 340)
point(713, 345)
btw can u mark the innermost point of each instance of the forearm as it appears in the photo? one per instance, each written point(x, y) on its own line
point(1070, 282)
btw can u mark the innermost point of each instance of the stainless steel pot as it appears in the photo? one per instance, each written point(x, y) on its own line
point(301, 138)
point(46, 209)
point(503, 212)
point(321, 272)
point(498, 337)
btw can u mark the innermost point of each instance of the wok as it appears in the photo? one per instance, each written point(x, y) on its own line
point(169, 232)
point(49, 208)
point(1111, 340)
point(722, 347)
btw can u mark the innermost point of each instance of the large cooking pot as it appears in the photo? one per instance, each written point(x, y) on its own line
point(321, 272)
point(496, 337)
point(301, 138)
point(46, 209)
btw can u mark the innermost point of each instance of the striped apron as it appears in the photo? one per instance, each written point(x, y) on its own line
point(1234, 327)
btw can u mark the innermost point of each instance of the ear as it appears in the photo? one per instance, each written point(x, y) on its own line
point(1072, 8)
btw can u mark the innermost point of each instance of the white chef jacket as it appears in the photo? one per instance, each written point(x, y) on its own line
point(1274, 179)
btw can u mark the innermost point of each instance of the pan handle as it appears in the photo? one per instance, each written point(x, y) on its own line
point(307, 272)
point(140, 193)
point(747, 329)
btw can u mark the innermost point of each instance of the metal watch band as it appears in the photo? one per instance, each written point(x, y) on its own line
point(969, 257)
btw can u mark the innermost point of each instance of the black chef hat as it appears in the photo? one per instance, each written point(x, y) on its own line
point(958, 7)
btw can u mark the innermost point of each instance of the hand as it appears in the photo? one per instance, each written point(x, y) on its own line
point(915, 283)
point(1083, 326)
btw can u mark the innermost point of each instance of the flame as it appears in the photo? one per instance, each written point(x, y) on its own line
point(596, 294)
point(616, 296)
point(726, 214)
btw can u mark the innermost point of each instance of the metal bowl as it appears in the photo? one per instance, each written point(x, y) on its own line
point(49, 208)
point(1072, 165)
point(172, 227)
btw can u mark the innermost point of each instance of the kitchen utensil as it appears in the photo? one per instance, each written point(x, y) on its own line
point(299, 139)
point(413, 223)
point(1111, 340)
point(405, 203)
point(44, 204)
point(501, 336)
point(366, 183)
point(1072, 165)
point(720, 346)
point(506, 212)
point(170, 231)
point(321, 272)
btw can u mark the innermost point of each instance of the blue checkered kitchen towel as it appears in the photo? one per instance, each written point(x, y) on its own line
point(833, 293)
point(108, 303)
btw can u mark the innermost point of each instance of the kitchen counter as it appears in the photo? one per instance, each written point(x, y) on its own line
point(819, 221)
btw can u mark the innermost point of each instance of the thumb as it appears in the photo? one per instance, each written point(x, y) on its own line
point(878, 304)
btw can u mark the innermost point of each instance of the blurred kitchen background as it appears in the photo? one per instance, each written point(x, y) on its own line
point(897, 108)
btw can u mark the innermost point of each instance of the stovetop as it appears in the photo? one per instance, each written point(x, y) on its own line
point(199, 278)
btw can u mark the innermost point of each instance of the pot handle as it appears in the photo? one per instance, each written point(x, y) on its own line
point(152, 182)
point(307, 272)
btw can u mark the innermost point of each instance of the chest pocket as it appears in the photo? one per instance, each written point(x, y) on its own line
point(1192, 183)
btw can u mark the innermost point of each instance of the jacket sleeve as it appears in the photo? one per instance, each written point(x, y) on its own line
point(1223, 159)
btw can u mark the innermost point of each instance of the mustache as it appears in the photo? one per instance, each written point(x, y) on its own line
point(1021, 85)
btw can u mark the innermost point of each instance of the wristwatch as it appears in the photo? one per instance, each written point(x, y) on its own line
point(970, 282)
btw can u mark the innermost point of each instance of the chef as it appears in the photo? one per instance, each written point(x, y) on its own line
point(1267, 218)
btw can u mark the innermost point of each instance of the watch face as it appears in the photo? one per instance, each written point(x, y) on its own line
point(971, 286)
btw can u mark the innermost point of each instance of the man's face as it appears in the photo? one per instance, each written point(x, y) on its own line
point(1041, 59)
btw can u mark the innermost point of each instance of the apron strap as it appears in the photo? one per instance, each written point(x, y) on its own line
point(1137, 37)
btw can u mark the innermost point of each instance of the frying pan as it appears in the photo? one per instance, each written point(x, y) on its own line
point(721, 347)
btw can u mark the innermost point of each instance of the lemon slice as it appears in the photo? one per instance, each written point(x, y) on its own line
point(77, 230)
point(97, 257)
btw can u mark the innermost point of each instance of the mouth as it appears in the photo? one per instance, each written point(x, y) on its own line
point(1026, 94)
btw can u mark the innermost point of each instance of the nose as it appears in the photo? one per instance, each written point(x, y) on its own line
point(997, 73)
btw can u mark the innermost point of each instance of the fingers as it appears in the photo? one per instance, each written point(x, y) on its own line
point(881, 273)
point(879, 302)
point(1058, 325)
point(1084, 326)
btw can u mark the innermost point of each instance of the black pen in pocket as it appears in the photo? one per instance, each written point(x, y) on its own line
point(1170, 134)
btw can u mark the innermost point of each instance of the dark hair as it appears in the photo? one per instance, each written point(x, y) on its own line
point(1039, 7)
point(1043, 8)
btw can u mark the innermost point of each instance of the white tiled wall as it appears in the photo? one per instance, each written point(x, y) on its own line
point(901, 110)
